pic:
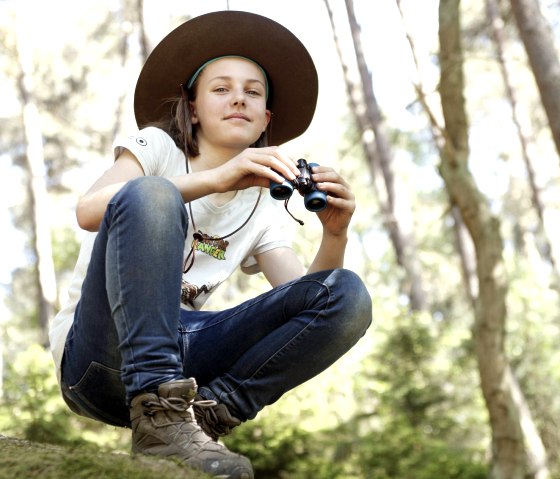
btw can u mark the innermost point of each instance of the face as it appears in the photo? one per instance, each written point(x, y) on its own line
point(230, 106)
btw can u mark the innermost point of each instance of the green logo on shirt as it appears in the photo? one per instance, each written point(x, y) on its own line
point(213, 246)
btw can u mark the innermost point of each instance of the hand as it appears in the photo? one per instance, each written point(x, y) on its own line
point(255, 167)
point(341, 202)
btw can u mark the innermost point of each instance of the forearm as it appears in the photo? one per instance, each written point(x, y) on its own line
point(196, 185)
point(92, 205)
point(331, 253)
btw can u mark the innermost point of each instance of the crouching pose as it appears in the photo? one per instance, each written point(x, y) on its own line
point(185, 203)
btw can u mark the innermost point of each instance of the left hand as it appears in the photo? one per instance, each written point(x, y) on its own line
point(341, 202)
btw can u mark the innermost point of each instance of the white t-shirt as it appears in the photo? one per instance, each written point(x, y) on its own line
point(215, 260)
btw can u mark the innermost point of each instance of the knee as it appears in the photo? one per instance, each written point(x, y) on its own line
point(155, 191)
point(352, 303)
point(150, 196)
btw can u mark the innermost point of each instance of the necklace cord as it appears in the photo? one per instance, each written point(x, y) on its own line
point(196, 235)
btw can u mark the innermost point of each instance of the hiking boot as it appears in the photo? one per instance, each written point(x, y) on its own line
point(163, 424)
point(214, 419)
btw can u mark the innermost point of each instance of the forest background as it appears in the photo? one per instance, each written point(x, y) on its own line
point(444, 116)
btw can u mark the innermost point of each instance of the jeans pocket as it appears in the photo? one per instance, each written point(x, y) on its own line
point(100, 395)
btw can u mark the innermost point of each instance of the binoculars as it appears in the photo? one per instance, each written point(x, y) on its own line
point(313, 199)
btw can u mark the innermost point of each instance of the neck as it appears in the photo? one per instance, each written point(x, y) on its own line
point(213, 157)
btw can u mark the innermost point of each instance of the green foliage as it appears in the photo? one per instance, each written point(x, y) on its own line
point(425, 418)
point(414, 379)
point(65, 249)
point(279, 449)
point(395, 451)
point(32, 407)
point(400, 452)
point(405, 421)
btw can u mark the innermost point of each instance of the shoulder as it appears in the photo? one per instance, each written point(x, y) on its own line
point(154, 149)
point(146, 139)
point(155, 137)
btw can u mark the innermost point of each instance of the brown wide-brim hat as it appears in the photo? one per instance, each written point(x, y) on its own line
point(291, 74)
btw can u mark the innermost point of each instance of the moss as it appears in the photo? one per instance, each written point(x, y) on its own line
point(28, 460)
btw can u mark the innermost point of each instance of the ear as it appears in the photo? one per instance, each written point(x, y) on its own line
point(194, 116)
point(268, 116)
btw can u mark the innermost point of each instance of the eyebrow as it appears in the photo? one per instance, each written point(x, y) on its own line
point(225, 77)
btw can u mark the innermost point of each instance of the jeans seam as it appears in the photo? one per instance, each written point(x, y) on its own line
point(121, 300)
point(280, 352)
point(254, 301)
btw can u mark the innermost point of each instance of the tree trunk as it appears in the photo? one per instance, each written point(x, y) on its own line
point(142, 37)
point(515, 441)
point(463, 243)
point(393, 200)
point(42, 246)
point(539, 45)
point(464, 246)
point(545, 227)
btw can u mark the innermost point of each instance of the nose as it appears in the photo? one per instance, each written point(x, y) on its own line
point(239, 97)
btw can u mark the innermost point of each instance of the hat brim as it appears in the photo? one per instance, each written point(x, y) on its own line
point(292, 76)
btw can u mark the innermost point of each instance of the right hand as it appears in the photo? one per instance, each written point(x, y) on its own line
point(255, 167)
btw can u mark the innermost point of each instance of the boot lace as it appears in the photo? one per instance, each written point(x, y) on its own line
point(214, 419)
point(176, 405)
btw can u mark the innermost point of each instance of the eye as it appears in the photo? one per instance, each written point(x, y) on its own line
point(220, 89)
point(253, 92)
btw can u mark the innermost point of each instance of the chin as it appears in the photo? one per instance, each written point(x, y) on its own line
point(241, 143)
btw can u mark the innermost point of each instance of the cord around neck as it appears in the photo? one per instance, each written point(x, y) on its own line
point(196, 235)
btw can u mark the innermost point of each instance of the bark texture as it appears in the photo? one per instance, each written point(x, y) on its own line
point(393, 200)
point(516, 445)
point(37, 174)
point(543, 58)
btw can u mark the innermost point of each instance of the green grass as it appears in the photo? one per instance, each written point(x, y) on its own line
point(27, 460)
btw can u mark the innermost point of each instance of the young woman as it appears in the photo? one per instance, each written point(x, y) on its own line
point(185, 204)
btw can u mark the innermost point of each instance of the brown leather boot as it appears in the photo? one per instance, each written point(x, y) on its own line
point(163, 424)
point(214, 419)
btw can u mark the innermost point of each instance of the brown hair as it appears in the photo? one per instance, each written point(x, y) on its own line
point(180, 128)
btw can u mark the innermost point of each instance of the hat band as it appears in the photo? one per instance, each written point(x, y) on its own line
point(191, 81)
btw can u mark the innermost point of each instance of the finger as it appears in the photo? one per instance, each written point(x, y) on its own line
point(327, 175)
point(337, 190)
point(282, 155)
point(268, 164)
point(278, 161)
point(342, 204)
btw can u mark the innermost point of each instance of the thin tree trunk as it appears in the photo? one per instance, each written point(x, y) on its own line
point(465, 249)
point(394, 205)
point(514, 436)
point(126, 29)
point(368, 145)
point(143, 38)
point(543, 58)
point(547, 229)
point(132, 13)
point(463, 242)
point(46, 278)
point(1, 364)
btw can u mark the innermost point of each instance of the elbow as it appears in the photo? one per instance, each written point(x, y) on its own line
point(86, 220)
point(88, 226)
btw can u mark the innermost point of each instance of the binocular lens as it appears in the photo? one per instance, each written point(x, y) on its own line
point(281, 191)
point(316, 201)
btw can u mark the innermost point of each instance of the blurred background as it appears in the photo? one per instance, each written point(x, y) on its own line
point(445, 118)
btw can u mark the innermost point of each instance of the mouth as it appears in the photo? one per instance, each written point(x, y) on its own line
point(237, 116)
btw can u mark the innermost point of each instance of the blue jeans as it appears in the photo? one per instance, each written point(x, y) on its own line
point(129, 333)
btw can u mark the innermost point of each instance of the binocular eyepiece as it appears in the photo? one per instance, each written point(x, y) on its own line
point(313, 199)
